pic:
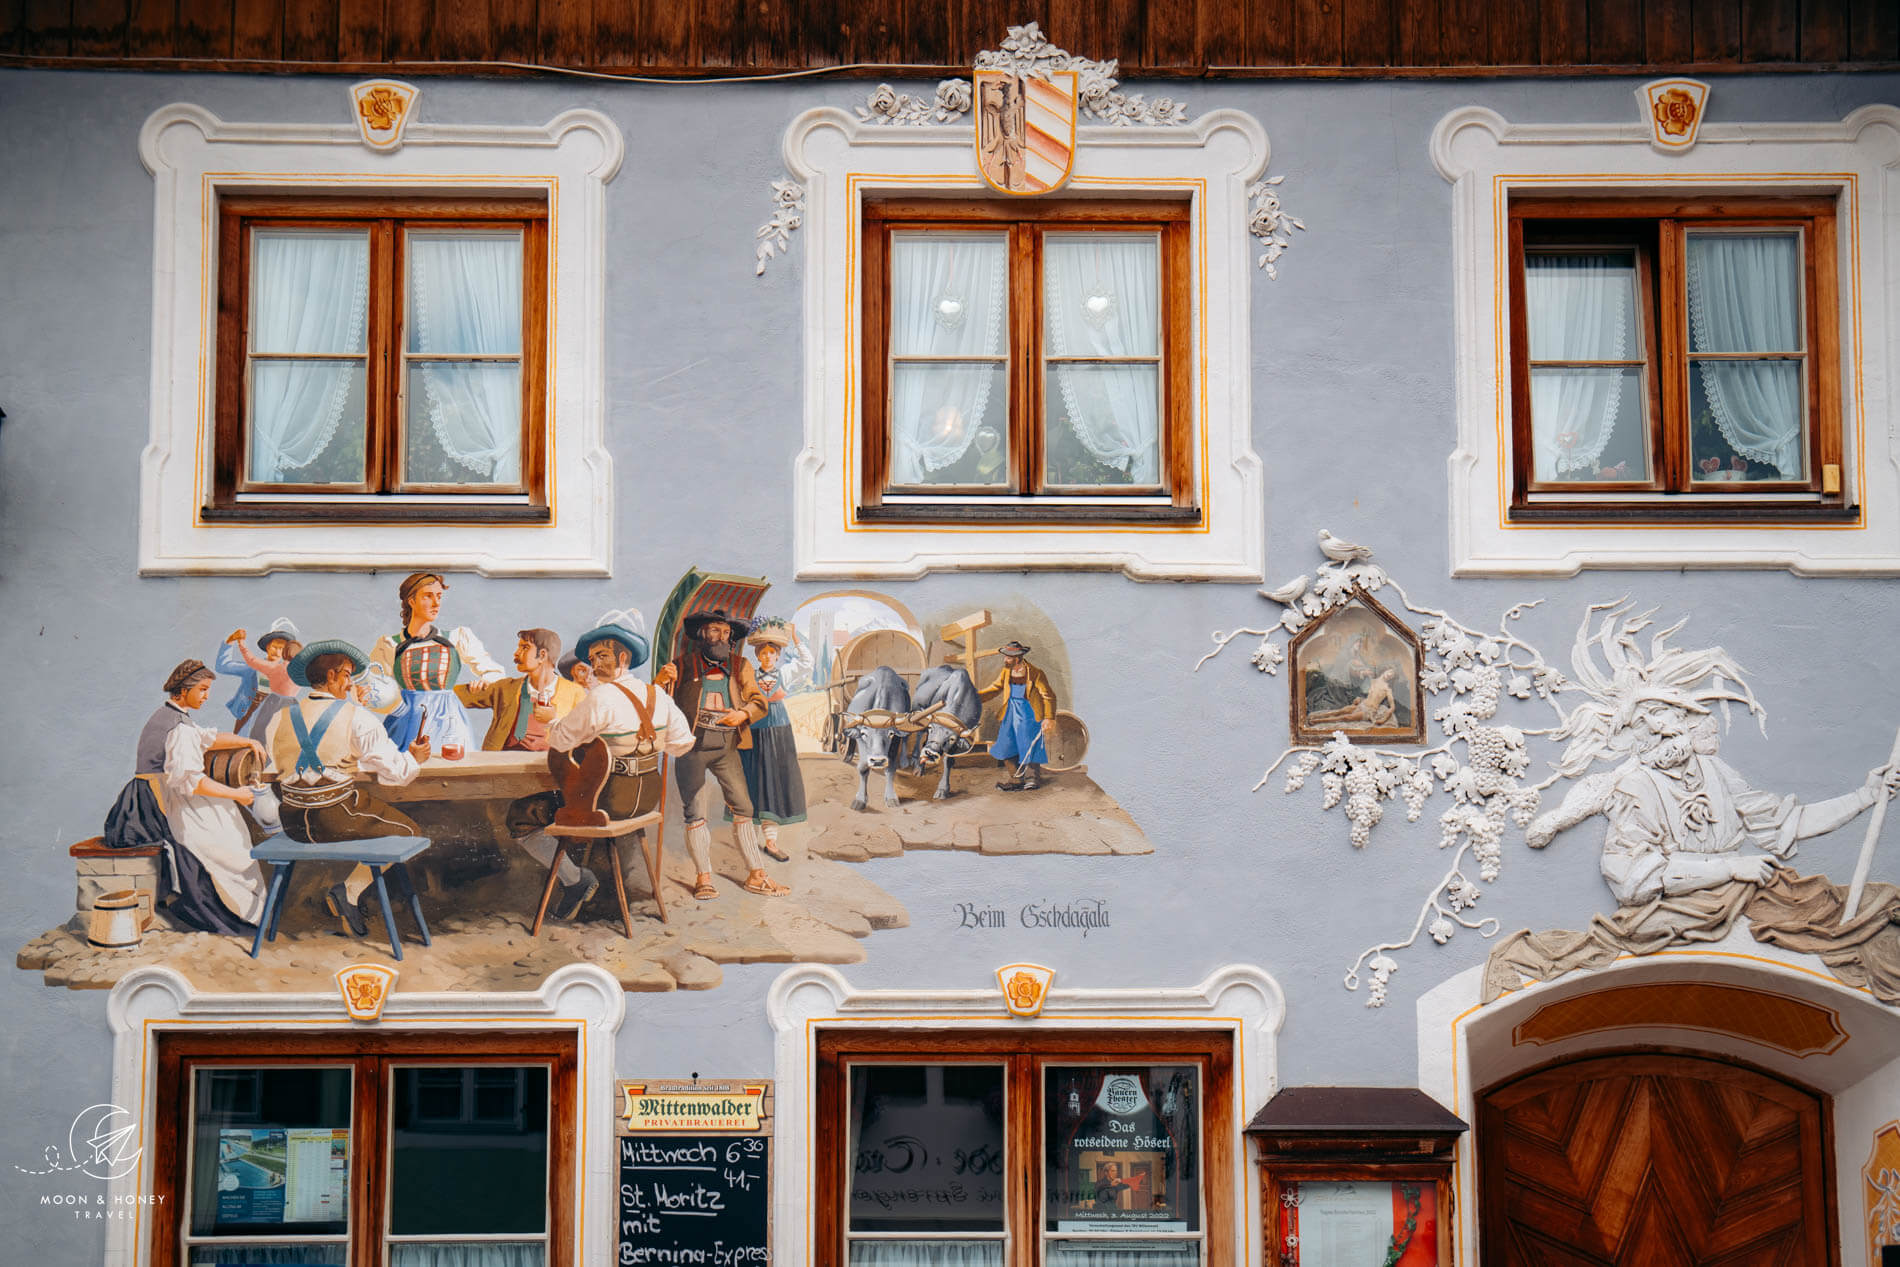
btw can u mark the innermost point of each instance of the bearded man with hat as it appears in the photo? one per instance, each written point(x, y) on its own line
point(1028, 715)
point(713, 684)
point(636, 723)
point(319, 746)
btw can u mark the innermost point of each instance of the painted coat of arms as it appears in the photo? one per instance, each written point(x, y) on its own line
point(1025, 130)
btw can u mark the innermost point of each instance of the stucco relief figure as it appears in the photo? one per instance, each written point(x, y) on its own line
point(1689, 843)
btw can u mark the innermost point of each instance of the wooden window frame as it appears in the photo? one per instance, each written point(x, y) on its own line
point(383, 497)
point(1655, 228)
point(370, 1058)
point(1018, 501)
point(1025, 1053)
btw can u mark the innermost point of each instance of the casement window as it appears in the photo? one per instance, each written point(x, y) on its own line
point(1024, 1148)
point(1026, 364)
point(402, 1150)
point(381, 360)
point(1675, 360)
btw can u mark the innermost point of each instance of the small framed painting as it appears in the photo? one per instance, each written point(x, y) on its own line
point(1356, 672)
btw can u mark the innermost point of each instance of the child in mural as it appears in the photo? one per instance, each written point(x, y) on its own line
point(264, 684)
point(171, 802)
point(426, 664)
point(1028, 715)
point(771, 764)
point(320, 746)
point(525, 706)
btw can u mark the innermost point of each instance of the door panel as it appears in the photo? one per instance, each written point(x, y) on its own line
point(1647, 1159)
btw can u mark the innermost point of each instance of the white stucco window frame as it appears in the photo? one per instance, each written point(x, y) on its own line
point(1241, 1000)
point(581, 999)
point(195, 158)
point(1857, 160)
point(1212, 160)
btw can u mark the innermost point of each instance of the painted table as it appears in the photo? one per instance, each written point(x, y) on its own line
point(477, 776)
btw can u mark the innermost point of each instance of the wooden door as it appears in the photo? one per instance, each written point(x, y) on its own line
point(1650, 1160)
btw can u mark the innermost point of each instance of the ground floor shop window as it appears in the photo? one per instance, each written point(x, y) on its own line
point(431, 1150)
point(1025, 1149)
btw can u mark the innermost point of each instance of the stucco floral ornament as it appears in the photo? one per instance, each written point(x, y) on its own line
point(1269, 221)
point(887, 107)
point(788, 213)
point(1469, 674)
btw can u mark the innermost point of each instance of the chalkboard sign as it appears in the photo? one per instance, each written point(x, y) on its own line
point(695, 1200)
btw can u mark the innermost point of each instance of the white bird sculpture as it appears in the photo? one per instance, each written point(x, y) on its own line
point(1289, 593)
point(1341, 551)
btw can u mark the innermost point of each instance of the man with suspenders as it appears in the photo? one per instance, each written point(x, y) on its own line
point(637, 722)
point(320, 745)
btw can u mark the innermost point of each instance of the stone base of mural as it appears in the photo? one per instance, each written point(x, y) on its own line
point(1795, 912)
point(480, 931)
point(1068, 814)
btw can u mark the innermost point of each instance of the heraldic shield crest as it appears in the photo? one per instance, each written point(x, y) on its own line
point(1025, 130)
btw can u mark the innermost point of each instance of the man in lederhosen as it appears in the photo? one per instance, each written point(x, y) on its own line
point(714, 685)
point(636, 721)
point(319, 746)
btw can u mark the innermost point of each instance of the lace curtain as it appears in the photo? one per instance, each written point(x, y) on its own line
point(1745, 296)
point(1578, 308)
point(465, 299)
point(468, 1254)
point(310, 295)
point(948, 299)
point(1100, 296)
point(926, 1253)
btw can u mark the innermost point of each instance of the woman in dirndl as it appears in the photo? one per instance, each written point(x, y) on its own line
point(426, 664)
point(771, 763)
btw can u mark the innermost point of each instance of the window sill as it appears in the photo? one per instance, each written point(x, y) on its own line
point(1685, 511)
point(374, 511)
point(1017, 513)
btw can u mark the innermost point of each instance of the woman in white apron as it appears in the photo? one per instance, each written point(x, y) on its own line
point(203, 814)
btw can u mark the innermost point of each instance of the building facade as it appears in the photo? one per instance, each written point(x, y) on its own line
point(1274, 653)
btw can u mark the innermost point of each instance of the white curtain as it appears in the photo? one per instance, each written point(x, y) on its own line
point(310, 294)
point(948, 298)
point(1745, 296)
point(926, 1253)
point(468, 1254)
point(1100, 294)
point(322, 1255)
point(465, 298)
point(1129, 1253)
point(1578, 308)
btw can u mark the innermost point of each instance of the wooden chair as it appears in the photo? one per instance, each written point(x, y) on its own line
point(649, 827)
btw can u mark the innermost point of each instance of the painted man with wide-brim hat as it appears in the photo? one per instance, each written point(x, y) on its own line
point(320, 746)
point(713, 684)
point(1029, 714)
point(635, 722)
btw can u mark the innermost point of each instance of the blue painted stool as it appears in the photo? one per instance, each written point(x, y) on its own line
point(378, 853)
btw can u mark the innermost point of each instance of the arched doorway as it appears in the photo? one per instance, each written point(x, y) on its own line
point(1654, 1158)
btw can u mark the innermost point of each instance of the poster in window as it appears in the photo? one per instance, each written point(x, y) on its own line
point(299, 1175)
point(1124, 1149)
point(1347, 1224)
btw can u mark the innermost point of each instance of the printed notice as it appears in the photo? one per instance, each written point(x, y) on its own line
point(283, 1176)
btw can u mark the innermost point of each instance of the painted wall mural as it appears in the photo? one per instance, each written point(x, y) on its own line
point(1690, 845)
point(660, 802)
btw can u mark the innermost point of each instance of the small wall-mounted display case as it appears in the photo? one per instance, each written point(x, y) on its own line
point(1352, 1176)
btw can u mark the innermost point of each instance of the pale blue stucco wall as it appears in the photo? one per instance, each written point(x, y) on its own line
point(1352, 389)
